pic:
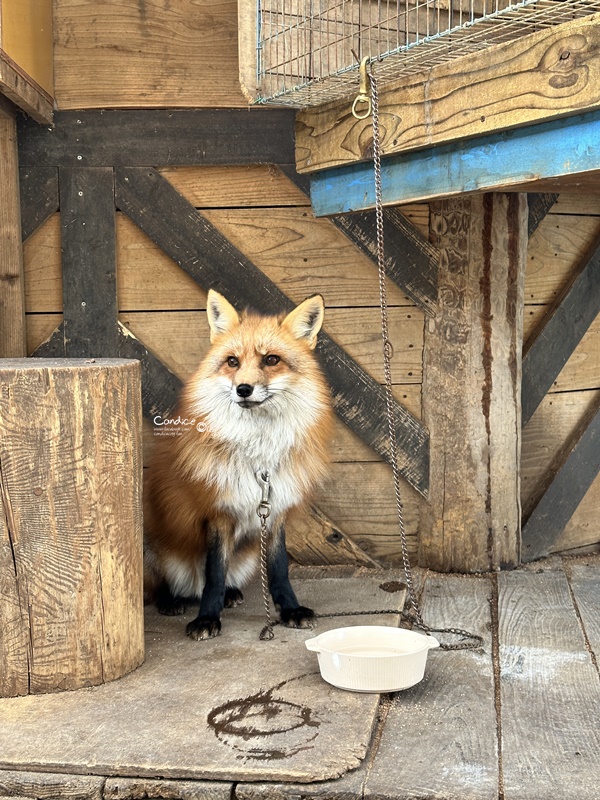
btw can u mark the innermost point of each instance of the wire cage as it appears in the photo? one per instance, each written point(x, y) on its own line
point(308, 51)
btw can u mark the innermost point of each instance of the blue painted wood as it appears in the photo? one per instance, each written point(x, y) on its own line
point(564, 146)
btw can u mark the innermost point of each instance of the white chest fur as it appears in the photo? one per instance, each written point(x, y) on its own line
point(256, 441)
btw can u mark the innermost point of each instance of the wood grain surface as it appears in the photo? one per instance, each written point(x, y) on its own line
point(70, 527)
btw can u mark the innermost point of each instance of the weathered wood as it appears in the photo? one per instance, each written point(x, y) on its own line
point(471, 383)
point(26, 38)
point(549, 349)
point(181, 338)
point(563, 488)
point(23, 91)
point(169, 53)
point(584, 580)
point(516, 158)
point(449, 719)
point(142, 788)
point(286, 723)
point(50, 785)
point(313, 539)
point(70, 527)
point(363, 506)
point(549, 691)
point(140, 138)
point(560, 243)
point(410, 260)
point(12, 294)
point(238, 186)
point(53, 346)
point(183, 233)
point(39, 197)
point(160, 387)
point(537, 77)
point(89, 261)
point(539, 205)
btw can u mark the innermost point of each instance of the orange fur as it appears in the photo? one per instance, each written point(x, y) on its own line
point(202, 481)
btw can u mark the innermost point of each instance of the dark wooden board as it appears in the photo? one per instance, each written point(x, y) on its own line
point(564, 487)
point(410, 260)
point(88, 261)
point(550, 695)
point(160, 386)
point(54, 346)
point(159, 137)
point(205, 254)
point(559, 334)
point(39, 197)
point(539, 205)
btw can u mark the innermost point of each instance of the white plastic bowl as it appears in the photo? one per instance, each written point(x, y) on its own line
point(372, 658)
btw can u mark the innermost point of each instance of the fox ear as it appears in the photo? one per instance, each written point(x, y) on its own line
point(305, 320)
point(222, 316)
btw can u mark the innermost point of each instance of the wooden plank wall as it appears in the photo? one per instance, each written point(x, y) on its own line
point(562, 241)
point(112, 54)
point(268, 218)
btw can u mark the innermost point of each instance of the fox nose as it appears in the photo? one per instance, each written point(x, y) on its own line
point(244, 390)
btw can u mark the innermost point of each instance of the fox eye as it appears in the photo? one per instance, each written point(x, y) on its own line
point(272, 360)
point(233, 362)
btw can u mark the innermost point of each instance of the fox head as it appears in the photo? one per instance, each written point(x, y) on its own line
point(261, 361)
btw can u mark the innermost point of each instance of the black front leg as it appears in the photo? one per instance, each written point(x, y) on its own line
point(208, 622)
point(292, 614)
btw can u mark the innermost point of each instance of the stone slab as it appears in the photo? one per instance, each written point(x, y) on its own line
point(232, 708)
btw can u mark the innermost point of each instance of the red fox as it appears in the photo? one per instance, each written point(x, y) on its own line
point(257, 404)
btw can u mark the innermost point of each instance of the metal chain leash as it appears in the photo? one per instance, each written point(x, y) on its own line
point(263, 511)
point(388, 351)
point(264, 508)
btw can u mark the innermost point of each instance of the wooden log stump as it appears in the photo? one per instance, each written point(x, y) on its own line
point(71, 604)
point(472, 385)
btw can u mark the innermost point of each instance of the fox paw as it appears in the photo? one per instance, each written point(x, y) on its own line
point(203, 628)
point(167, 603)
point(299, 617)
point(233, 597)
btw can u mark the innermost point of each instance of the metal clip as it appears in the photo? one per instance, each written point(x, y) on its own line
point(263, 480)
point(363, 92)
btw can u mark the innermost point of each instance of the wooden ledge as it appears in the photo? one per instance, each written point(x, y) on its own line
point(546, 75)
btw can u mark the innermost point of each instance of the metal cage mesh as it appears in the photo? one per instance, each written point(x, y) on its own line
point(308, 50)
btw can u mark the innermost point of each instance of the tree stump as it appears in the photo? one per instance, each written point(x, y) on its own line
point(71, 603)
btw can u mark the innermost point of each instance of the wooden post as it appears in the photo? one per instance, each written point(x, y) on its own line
point(71, 605)
point(472, 385)
point(12, 296)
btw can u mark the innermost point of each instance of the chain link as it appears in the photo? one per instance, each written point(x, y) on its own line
point(267, 632)
point(416, 619)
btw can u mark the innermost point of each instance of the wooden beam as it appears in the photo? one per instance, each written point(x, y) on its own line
point(39, 197)
point(471, 383)
point(161, 137)
point(563, 488)
point(87, 215)
point(23, 91)
point(160, 386)
point(543, 76)
point(411, 261)
point(560, 332)
point(539, 204)
point(205, 254)
point(518, 157)
point(12, 293)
